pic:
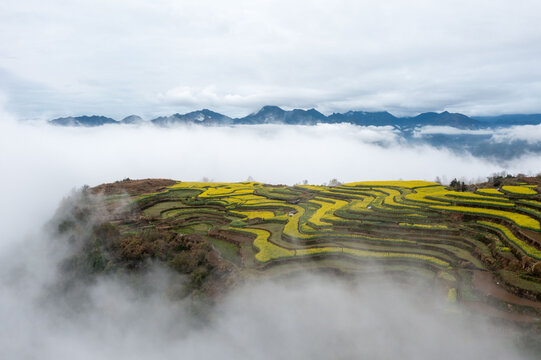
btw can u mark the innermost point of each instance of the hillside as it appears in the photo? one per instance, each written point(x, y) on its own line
point(481, 247)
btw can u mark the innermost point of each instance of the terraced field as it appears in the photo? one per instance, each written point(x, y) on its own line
point(467, 243)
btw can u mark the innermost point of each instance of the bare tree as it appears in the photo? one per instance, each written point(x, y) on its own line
point(334, 182)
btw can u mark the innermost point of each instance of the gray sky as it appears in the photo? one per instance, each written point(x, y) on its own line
point(162, 56)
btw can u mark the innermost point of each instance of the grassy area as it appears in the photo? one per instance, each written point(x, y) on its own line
point(227, 250)
point(517, 279)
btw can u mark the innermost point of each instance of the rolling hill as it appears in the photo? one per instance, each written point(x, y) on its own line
point(481, 247)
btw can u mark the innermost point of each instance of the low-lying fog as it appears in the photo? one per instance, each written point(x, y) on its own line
point(308, 317)
point(304, 317)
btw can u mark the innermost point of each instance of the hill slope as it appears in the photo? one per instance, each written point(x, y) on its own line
point(482, 247)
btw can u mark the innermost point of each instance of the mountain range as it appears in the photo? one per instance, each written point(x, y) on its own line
point(276, 115)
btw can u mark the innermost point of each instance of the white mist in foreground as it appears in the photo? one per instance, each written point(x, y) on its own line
point(303, 317)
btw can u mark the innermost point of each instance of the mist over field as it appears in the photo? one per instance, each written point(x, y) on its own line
point(43, 163)
point(37, 157)
point(62, 60)
point(304, 316)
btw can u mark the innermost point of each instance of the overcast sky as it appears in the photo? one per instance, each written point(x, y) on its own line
point(156, 57)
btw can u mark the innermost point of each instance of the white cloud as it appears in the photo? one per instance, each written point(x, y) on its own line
point(449, 130)
point(121, 57)
point(45, 162)
point(40, 164)
point(271, 153)
point(250, 98)
point(529, 133)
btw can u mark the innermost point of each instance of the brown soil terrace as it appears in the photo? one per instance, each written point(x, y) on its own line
point(133, 187)
point(485, 282)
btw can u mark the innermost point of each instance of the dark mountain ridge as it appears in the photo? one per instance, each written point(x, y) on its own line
point(202, 117)
point(276, 115)
point(93, 120)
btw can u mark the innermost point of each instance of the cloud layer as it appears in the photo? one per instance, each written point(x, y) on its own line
point(44, 162)
point(117, 58)
point(303, 317)
point(529, 133)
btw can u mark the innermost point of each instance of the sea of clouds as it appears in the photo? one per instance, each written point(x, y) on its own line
point(306, 317)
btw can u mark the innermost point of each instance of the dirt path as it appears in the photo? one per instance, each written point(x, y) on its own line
point(482, 308)
point(484, 282)
point(534, 235)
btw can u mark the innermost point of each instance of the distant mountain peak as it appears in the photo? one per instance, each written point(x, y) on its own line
point(271, 114)
point(267, 108)
point(203, 116)
point(132, 119)
point(87, 121)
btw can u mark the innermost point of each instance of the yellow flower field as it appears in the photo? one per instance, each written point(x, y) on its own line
point(269, 251)
point(526, 248)
point(256, 214)
point(392, 225)
point(358, 205)
point(520, 190)
point(326, 211)
point(489, 191)
point(519, 219)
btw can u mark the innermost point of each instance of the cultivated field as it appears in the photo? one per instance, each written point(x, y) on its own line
point(481, 247)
